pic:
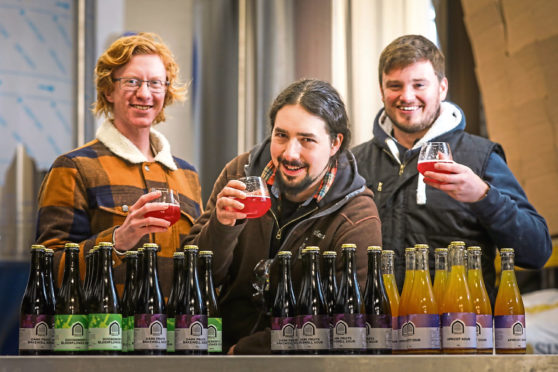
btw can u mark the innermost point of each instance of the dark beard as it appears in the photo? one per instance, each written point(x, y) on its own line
point(417, 128)
point(289, 189)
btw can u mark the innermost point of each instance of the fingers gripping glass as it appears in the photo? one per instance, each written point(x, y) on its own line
point(432, 153)
point(170, 197)
point(132, 84)
point(257, 201)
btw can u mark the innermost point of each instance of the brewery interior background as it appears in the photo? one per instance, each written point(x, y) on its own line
point(236, 55)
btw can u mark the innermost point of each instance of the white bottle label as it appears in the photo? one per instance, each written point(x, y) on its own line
point(459, 331)
point(510, 332)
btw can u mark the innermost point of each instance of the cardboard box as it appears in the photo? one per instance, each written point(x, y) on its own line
point(515, 46)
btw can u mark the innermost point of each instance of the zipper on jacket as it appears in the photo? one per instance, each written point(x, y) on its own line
point(401, 169)
point(280, 231)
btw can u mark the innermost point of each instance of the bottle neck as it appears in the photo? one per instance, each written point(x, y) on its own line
point(458, 256)
point(37, 263)
point(421, 258)
point(71, 266)
point(374, 265)
point(349, 264)
point(410, 261)
point(150, 264)
point(387, 264)
point(106, 263)
point(474, 261)
point(441, 261)
point(178, 269)
point(285, 272)
point(310, 264)
point(507, 262)
point(207, 272)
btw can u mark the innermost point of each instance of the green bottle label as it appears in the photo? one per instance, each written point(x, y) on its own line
point(129, 320)
point(214, 335)
point(70, 332)
point(105, 332)
point(171, 322)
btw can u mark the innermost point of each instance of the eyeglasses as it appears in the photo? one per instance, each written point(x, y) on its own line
point(132, 84)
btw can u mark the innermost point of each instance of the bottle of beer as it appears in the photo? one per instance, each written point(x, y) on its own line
point(509, 313)
point(150, 319)
point(349, 330)
point(459, 330)
point(403, 310)
point(214, 320)
point(141, 276)
point(49, 278)
point(481, 301)
point(423, 321)
point(440, 275)
point(191, 312)
point(93, 293)
point(105, 315)
point(70, 319)
point(329, 286)
point(312, 324)
point(376, 304)
point(128, 303)
point(36, 321)
point(388, 274)
point(283, 324)
point(172, 303)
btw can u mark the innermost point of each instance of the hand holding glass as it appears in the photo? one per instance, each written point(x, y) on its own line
point(257, 201)
point(432, 153)
point(170, 197)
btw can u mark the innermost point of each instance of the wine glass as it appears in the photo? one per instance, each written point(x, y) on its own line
point(257, 201)
point(432, 153)
point(170, 197)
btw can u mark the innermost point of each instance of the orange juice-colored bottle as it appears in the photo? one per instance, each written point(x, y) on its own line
point(509, 313)
point(388, 274)
point(459, 329)
point(481, 302)
point(423, 321)
point(440, 275)
point(402, 312)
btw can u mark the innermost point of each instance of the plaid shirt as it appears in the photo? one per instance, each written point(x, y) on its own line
point(88, 192)
point(268, 175)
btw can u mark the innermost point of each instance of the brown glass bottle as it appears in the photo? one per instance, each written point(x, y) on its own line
point(214, 319)
point(70, 319)
point(36, 322)
point(49, 279)
point(105, 315)
point(283, 340)
point(128, 301)
point(172, 303)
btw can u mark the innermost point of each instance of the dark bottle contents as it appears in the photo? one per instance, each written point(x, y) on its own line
point(214, 320)
point(191, 313)
point(92, 294)
point(128, 301)
point(150, 319)
point(105, 316)
point(49, 278)
point(349, 330)
point(172, 303)
point(283, 312)
point(377, 307)
point(312, 324)
point(70, 319)
point(36, 322)
point(329, 286)
point(88, 274)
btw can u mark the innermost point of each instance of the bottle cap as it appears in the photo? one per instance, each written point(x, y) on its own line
point(410, 249)
point(374, 248)
point(284, 253)
point(329, 254)
point(206, 253)
point(131, 253)
point(311, 249)
point(190, 247)
point(178, 255)
point(38, 247)
point(388, 252)
point(474, 248)
point(71, 246)
point(349, 246)
point(441, 250)
point(421, 246)
point(105, 245)
point(506, 250)
point(49, 251)
point(151, 246)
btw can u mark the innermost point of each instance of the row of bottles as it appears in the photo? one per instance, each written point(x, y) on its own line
point(454, 316)
point(324, 318)
point(95, 320)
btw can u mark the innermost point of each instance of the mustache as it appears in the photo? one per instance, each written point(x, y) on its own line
point(292, 163)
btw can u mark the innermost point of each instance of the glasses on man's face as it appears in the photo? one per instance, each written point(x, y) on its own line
point(132, 84)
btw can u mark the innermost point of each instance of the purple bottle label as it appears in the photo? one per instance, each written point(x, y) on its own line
point(510, 332)
point(313, 332)
point(378, 331)
point(36, 332)
point(190, 332)
point(484, 331)
point(421, 332)
point(150, 332)
point(459, 330)
point(349, 331)
point(283, 334)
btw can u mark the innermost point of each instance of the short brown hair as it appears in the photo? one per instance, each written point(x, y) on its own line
point(409, 49)
point(120, 53)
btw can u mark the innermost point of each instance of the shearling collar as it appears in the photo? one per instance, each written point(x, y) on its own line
point(124, 148)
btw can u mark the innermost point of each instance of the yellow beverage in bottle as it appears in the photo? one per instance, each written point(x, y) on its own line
point(509, 313)
point(459, 331)
point(422, 310)
point(481, 302)
point(440, 275)
point(403, 304)
point(390, 285)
